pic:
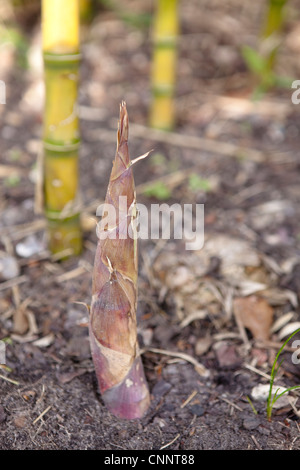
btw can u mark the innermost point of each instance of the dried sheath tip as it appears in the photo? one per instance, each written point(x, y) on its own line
point(113, 333)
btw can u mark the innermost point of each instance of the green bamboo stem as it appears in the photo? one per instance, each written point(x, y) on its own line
point(272, 28)
point(61, 137)
point(163, 78)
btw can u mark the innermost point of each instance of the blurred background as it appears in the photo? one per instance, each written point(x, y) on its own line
point(225, 78)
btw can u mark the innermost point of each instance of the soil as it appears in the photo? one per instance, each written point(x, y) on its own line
point(237, 157)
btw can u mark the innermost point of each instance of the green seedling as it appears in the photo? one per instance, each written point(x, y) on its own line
point(259, 66)
point(199, 184)
point(12, 181)
point(135, 20)
point(158, 161)
point(271, 400)
point(18, 41)
point(261, 62)
point(14, 155)
point(158, 190)
point(251, 404)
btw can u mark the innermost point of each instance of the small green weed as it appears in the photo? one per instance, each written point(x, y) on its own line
point(270, 400)
point(158, 190)
point(199, 184)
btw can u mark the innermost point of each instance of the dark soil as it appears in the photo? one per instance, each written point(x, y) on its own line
point(49, 395)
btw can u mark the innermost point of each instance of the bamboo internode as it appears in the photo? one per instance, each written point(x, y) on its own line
point(61, 139)
point(165, 33)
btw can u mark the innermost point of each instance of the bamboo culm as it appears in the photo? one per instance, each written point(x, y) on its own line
point(164, 60)
point(61, 139)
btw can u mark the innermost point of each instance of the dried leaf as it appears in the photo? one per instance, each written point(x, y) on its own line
point(255, 314)
point(288, 329)
point(232, 251)
point(45, 341)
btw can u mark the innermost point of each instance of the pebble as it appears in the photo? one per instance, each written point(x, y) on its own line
point(29, 247)
point(161, 388)
point(251, 422)
point(197, 410)
point(9, 268)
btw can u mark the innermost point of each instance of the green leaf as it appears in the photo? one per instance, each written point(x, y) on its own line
point(158, 190)
point(12, 180)
point(283, 82)
point(255, 62)
point(196, 183)
point(270, 401)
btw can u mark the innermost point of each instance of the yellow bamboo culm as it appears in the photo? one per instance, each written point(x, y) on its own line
point(60, 31)
point(163, 78)
point(61, 137)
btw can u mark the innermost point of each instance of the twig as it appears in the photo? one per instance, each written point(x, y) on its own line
point(13, 282)
point(257, 371)
point(16, 232)
point(71, 274)
point(198, 315)
point(170, 443)
point(9, 380)
point(231, 403)
point(256, 443)
point(186, 357)
point(195, 142)
point(181, 140)
point(8, 170)
point(41, 415)
point(187, 401)
point(273, 345)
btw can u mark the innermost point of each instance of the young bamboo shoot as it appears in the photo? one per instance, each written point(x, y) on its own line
point(113, 333)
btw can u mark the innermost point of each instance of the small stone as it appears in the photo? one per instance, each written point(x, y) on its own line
point(9, 268)
point(226, 355)
point(29, 247)
point(161, 388)
point(251, 422)
point(197, 410)
point(263, 430)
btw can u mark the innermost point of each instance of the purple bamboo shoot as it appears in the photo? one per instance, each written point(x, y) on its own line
point(113, 331)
